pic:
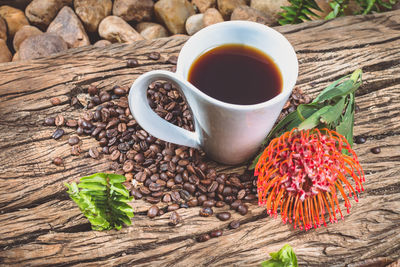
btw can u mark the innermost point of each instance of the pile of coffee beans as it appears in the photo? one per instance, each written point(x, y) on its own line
point(157, 171)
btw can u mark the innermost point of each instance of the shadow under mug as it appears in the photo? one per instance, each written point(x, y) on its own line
point(228, 133)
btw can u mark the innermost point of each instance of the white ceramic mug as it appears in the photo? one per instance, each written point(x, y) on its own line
point(228, 133)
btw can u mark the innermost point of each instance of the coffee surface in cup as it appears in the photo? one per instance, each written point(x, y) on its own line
point(236, 74)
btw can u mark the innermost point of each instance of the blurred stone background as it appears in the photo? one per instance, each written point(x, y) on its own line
point(37, 28)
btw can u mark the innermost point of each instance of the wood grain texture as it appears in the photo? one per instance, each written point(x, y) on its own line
point(42, 226)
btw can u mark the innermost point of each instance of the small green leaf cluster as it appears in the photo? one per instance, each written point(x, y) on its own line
point(285, 257)
point(298, 11)
point(366, 7)
point(103, 199)
point(333, 108)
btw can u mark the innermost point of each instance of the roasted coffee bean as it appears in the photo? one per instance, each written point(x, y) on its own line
point(178, 179)
point(114, 155)
point(201, 199)
point(212, 187)
point(94, 153)
point(79, 131)
point(154, 187)
point(250, 197)
point(166, 198)
point(139, 158)
point(173, 207)
point(185, 195)
point(132, 63)
point(242, 209)
point(191, 169)
point(76, 150)
point(119, 91)
point(189, 187)
point(227, 191)
point(360, 140)
point(202, 188)
point(128, 165)
point(55, 101)
point(234, 224)
point(192, 202)
point(123, 147)
point(235, 182)
point(73, 140)
point(154, 56)
point(153, 200)
point(223, 216)
point(170, 183)
point(194, 179)
point(211, 195)
point(241, 194)
point(96, 131)
point(57, 134)
point(59, 120)
point(144, 190)
point(136, 193)
point(376, 150)
point(175, 196)
point(216, 233)
point(105, 97)
point(172, 60)
point(206, 182)
point(50, 121)
point(236, 204)
point(93, 90)
point(220, 180)
point(203, 238)
point(209, 203)
point(219, 204)
point(153, 211)
point(157, 194)
point(206, 212)
point(174, 219)
point(103, 141)
point(58, 161)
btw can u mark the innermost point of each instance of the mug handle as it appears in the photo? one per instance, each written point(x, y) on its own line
point(149, 120)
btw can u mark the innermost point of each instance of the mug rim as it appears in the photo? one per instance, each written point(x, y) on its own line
point(221, 26)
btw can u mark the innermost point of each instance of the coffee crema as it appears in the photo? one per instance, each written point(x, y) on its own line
point(236, 74)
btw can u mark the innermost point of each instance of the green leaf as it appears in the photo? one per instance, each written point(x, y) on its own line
point(102, 198)
point(333, 114)
point(95, 178)
point(345, 127)
point(285, 257)
point(314, 120)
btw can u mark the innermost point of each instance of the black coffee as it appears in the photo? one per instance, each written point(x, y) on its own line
point(236, 74)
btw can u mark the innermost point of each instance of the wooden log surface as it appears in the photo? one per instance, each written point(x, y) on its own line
point(40, 225)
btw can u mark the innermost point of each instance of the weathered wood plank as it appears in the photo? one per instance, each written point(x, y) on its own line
point(42, 226)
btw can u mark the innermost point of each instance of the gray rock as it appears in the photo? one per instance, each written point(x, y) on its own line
point(68, 26)
point(134, 10)
point(194, 23)
point(5, 54)
point(173, 13)
point(226, 7)
point(150, 30)
point(14, 18)
point(251, 14)
point(24, 33)
point(270, 8)
point(115, 29)
point(41, 12)
point(41, 46)
point(212, 16)
point(203, 5)
point(102, 43)
point(91, 12)
point(3, 29)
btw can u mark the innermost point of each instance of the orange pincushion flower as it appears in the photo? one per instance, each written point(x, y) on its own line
point(302, 172)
